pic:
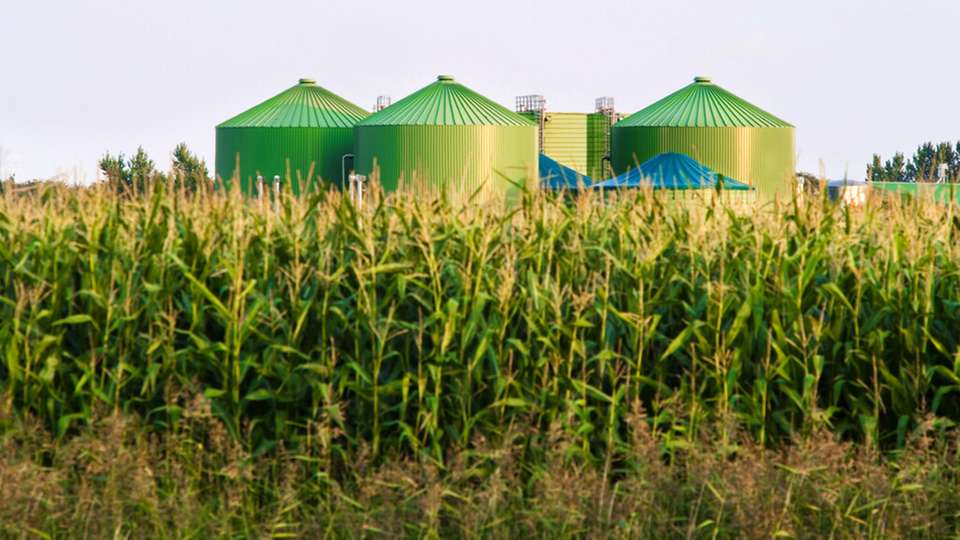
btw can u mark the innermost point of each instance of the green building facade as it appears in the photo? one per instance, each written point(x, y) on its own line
point(598, 145)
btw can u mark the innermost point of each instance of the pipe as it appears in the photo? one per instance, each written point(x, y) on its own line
point(276, 193)
point(343, 169)
point(606, 159)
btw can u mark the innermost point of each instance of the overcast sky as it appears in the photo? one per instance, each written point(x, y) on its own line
point(81, 78)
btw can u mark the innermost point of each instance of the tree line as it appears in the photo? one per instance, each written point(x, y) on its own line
point(134, 174)
point(930, 163)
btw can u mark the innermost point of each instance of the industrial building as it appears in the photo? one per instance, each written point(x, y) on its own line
point(299, 135)
point(446, 137)
point(580, 141)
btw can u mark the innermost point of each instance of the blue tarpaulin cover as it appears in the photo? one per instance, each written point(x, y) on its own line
point(671, 171)
point(554, 175)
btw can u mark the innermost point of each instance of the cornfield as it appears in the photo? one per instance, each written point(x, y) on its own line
point(410, 329)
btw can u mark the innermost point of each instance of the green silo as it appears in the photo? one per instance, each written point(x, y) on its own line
point(716, 128)
point(447, 137)
point(303, 126)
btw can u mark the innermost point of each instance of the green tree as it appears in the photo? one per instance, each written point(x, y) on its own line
point(115, 170)
point(954, 166)
point(142, 170)
point(132, 175)
point(923, 165)
point(895, 170)
point(944, 156)
point(875, 172)
point(189, 170)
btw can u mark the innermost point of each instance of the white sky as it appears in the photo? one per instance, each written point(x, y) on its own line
point(83, 77)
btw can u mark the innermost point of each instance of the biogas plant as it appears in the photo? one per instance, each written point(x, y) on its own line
point(448, 137)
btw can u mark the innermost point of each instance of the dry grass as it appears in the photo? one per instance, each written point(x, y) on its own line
point(115, 480)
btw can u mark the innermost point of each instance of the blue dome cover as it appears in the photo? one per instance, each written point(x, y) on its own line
point(556, 176)
point(671, 171)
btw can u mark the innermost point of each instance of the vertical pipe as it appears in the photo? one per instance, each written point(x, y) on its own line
point(276, 193)
point(343, 168)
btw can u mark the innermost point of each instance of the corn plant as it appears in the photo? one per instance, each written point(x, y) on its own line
point(414, 326)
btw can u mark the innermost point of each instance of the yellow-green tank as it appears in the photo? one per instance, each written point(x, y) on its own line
point(718, 129)
point(580, 141)
point(446, 137)
point(564, 137)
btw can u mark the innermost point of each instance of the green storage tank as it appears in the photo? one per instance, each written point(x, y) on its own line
point(716, 128)
point(303, 126)
point(447, 137)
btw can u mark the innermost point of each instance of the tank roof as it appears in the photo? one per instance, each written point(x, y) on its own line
point(302, 105)
point(445, 102)
point(702, 104)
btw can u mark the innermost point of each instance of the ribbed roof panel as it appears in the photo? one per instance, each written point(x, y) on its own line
point(702, 104)
point(303, 105)
point(445, 103)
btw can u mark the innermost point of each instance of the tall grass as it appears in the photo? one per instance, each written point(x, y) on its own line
point(413, 330)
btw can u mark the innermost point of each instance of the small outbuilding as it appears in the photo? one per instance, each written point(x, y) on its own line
point(848, 192)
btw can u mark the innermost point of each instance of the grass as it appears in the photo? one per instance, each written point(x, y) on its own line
point(178, 365)
point(113, 479)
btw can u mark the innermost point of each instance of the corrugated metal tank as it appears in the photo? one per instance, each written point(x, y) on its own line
point(447, 137)
point(718, 129)
point(303, 126)
point(564, 138)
